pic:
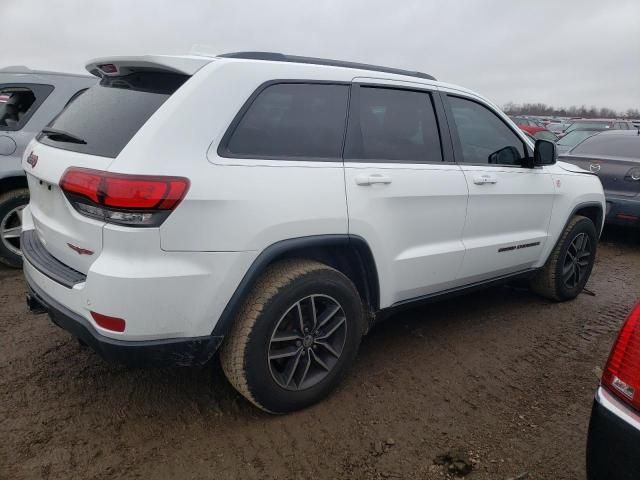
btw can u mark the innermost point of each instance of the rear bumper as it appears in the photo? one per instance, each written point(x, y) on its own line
point(613, 445)
point(166, 352)
point(623, 211)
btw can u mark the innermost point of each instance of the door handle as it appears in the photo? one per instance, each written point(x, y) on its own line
point(484, 179)
point(370, 179)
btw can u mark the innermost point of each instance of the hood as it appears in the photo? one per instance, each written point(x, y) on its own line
point(569, 167)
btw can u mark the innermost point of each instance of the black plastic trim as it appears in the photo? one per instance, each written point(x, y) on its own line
point(613, 447)
point(281, 57)
point(145, 353)
point(278, 249)
point(37, 255)
point(454, 292)
point(580, 206)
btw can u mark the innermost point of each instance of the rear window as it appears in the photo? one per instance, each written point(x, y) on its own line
point(104, 118)
point(291, 121)
point(627, 146)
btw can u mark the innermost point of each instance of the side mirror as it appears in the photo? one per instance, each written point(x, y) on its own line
point(544, 153)
point(505, 156)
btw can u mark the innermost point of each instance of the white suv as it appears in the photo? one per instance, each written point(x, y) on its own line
point(276, 206)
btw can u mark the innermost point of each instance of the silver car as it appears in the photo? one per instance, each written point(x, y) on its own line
point(29, 100)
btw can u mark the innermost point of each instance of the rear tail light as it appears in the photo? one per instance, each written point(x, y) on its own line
point(622, 373)
point(133, 200)
point(110, 323)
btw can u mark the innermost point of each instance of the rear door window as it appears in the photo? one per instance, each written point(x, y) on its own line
point(19, 102)
point(104, 118)
point(296, 121)
point(393, 125)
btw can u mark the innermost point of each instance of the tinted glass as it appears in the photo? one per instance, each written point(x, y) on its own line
point(293, 120)
point(627, 146)
point(573, 138)
point(15, 105)
point(484, 137)
point(394, 125)
point(545, 135)
point(108, 115)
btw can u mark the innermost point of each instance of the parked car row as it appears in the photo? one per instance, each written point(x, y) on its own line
point(561, 128)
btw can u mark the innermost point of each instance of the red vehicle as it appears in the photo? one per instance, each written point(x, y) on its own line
point(528, 125)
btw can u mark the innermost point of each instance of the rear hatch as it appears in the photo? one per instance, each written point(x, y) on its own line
point(88, 134)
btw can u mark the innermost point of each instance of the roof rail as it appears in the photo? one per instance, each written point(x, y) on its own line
point(280, 57)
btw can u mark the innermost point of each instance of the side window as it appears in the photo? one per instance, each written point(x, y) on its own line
point(484, 137)
point(292, 121)
point(18, 103)
point(393, 125)
point(14, 104)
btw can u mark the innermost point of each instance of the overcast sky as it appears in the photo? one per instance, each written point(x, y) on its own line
point(560, 52)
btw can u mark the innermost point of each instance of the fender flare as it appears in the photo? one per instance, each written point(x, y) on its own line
point(278, 249)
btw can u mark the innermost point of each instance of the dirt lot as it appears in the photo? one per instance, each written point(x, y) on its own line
point(502, 375)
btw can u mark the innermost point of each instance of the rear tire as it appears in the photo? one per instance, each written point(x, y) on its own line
point(569, 266)
point(11, 205)
point(295, 337)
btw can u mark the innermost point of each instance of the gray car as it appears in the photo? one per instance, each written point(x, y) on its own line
point(29, 100)
point(614, 156)
point(574, 137)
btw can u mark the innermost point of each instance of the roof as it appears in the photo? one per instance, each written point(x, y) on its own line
point(632, 132)
point(22, 70)
point(280, 57)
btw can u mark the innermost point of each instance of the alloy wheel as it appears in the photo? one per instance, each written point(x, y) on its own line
point(10, 229)
point(307, 342)
point(577, 260)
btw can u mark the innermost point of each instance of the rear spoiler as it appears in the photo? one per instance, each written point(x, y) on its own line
point(116, 66)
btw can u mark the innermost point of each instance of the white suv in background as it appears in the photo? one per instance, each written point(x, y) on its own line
point(276, 206)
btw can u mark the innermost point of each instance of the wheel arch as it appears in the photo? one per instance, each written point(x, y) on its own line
point(12, 183)
point(593, 211)
point(349, 254)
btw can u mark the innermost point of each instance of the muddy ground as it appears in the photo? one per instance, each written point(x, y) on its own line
point(504, 376)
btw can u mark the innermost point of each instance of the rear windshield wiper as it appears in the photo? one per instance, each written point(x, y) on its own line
point(62, 135)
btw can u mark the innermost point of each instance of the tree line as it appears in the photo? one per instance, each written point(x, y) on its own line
point(543, 110)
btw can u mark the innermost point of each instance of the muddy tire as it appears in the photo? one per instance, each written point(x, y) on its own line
point(11, 205)
point(296, 336)
point(569, 266)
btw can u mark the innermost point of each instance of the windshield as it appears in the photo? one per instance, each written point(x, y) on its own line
point(582, 125)
point(573, 138)
point(545, 135)
point(104, 118)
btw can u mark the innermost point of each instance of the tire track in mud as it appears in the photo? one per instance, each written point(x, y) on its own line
point(501, 373)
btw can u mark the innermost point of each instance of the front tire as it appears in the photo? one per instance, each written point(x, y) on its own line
point(295, 337)
point(569, 266)
point(11, 205)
